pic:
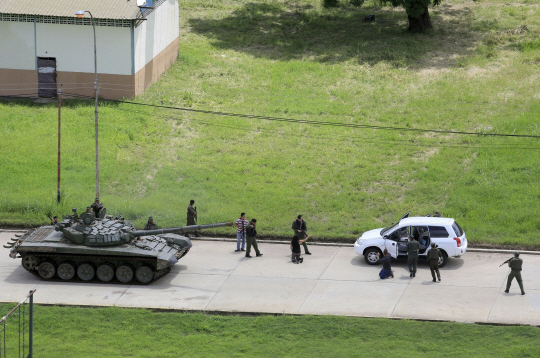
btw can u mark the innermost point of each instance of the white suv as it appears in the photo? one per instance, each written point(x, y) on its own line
point(444, 232)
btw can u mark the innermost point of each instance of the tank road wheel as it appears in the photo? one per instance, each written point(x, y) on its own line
point(29, 262)
point(86, 271)
point(124, 273)
point(66, 271)
point(144, 274)
point(46, 270)
point(105, 272)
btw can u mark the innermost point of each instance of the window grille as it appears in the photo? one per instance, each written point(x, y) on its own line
point(43, 19)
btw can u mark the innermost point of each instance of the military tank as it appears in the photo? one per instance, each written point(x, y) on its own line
point(89, 249)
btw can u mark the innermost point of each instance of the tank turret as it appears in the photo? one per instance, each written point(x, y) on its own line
point(86, 248)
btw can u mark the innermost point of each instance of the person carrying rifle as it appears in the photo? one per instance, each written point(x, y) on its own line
point(192, 216)
point(515, 264)
point(299, 227)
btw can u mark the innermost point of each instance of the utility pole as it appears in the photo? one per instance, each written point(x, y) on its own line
point(59, 126)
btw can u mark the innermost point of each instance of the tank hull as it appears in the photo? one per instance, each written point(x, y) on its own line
point(47, 254)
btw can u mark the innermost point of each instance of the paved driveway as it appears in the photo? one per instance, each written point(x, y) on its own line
point(334, 280)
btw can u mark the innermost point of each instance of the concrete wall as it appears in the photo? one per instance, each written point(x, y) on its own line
point(156, 33)
point(73, 47)
point(17, 45)
point(156, 44)
point(124, 68)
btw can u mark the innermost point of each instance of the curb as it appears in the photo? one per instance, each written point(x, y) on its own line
point(495, 251)
point(277, 314)
point(490, 251)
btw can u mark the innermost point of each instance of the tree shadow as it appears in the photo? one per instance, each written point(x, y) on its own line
point(289, 31)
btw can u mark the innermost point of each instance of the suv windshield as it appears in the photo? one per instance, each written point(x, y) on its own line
point(386, 229)
point(457, 229)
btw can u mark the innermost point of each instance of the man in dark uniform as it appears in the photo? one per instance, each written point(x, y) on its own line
point(192, 215)
point(150, 225)
point(433, 257)
point(515, 264)
point(96, 206)
point(88, 209)
point(251, 233)
point(54, 220)
point(299, 227)
point(437, 215)
point(412, 252)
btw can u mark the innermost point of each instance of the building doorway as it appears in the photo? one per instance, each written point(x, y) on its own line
point(46, 77)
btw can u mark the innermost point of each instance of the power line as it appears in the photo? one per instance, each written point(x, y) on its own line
point(332, 124)
point(356, 138)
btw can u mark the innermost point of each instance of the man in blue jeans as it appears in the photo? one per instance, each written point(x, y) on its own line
point(241, 226)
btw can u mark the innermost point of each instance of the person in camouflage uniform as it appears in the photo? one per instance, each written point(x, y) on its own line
point(192, 216)
point(412, 251)
point(299, 227)
point(433, 257)
point(515, 264)
point(96, 206)
point(150, 225)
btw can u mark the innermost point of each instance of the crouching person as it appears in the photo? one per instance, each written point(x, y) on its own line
point(295, 249)
point(387, 265)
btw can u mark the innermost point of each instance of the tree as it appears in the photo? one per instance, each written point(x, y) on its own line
point(417, 11)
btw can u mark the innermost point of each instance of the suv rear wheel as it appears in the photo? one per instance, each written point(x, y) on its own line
point(370, 255)
point(443, 258)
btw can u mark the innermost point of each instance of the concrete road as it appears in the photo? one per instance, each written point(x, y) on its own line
point(334, 280)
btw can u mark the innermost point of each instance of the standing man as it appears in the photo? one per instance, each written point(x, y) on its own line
point(515, 264)
point(150, 225)
point(241, 225)
point(251, 233)
point(433, 257)
point(412, 252)
point(299, 227)
point(192, 215)
point(96, 207)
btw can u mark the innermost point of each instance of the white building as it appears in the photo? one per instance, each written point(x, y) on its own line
point(45, 47)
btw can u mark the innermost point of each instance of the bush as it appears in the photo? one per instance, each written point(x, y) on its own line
point(330, 3)
point(357, 2)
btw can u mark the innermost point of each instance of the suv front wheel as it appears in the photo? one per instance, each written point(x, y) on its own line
point(370, 255)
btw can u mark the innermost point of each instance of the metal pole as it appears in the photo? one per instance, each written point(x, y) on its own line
point(31, 326)
point(96, 105)
point(59, 124)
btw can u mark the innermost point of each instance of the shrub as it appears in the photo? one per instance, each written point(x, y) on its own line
point(357, 2)
point(330, 3)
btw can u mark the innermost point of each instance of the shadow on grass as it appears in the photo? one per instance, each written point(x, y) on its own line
point(288, 31)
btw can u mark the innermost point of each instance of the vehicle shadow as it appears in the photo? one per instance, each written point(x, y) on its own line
point(288, 31)
point(452, 264)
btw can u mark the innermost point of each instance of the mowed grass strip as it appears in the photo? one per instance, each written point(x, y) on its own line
point(477, 71)
point(121, 332)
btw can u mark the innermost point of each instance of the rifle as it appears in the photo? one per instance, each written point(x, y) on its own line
point(507, 261)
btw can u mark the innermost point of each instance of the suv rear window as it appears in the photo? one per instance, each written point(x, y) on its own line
point(457, 229)
point(438, 231)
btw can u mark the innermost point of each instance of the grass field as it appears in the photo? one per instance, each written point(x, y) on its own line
point(477, 71)
point(117, 332)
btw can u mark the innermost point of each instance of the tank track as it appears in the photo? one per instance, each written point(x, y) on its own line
point(157, 274)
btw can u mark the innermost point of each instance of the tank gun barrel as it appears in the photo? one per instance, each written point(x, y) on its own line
point(179, 229)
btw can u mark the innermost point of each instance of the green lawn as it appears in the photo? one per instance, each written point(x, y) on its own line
point(477, 71)
point(117, 332)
